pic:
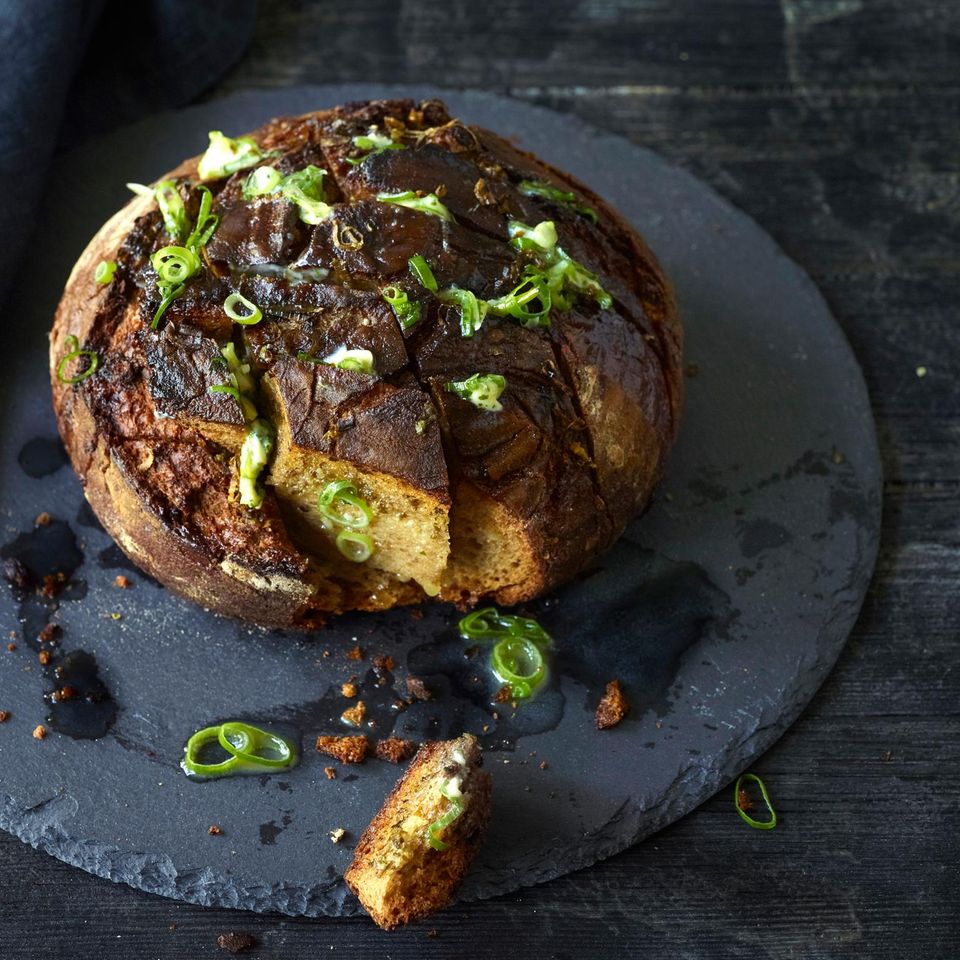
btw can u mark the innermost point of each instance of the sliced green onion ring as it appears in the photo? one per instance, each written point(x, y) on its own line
point(518, 662)
point(490, 624)
point(429, 203)
point(421, 270)
point(251, 312)
point(344, 492)
point(472, 310)
point(454, 813)
point(251, 745)
point(538, 188)
point(193, 766)
point(174, 265)
point(73, 352)
point(357, 547)
point(206, 223)
point(249, 749)
point(483, 390)
point(407, 311)
point(756, 824)
point(105, 271)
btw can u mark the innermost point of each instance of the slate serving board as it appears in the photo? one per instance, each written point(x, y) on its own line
point(721, 610)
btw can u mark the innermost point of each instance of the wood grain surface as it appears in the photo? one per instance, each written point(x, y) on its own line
point(836, 124)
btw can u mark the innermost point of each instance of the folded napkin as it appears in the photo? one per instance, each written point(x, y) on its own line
point(70, 69)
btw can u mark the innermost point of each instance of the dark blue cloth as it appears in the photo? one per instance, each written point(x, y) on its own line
point(70, 69)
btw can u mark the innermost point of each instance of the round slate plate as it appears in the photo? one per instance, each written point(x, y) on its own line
point(722, 610)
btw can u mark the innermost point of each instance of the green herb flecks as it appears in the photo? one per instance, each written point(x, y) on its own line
point(374, 143)
point(304, 188)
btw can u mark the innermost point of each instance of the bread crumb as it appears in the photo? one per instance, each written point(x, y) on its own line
point(39, 731)
point(349, 689)
point(49, 633)
point(44, 657)
point(4, 716)
point(355, 714)
point(330, 772)
point(11, 647)
point(383, 661)
point(395, 749)
point(121, 581)
point(543, 764)
point(236, 942)
point(356, 653)
point(613, 706)
point(503, 694)
point(43, 519)
point(214, 830)
point(345, 749)
point(418, 688)
point(337, 835)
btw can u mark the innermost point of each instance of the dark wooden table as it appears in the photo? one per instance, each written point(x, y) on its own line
point(836, 124)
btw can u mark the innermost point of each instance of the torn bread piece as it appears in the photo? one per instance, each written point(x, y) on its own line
point(413, 856)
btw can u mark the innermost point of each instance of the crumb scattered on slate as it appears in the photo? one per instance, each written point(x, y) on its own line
point(49, 633)
point(43, 519)
point(383, 661)
point(172, 927)
point(331, 773)
point(418, 688)
point(503, 694)
point(337, 835)
point(416, 614)
point(236, 942)
point(349, 689)
point(613, 706)
point(543, 764)
point(4, 716)
point(39, 731)
point(11, 647)
point(743, 800)
point(214, 830)
point(355, 654)
point(354, 715)
point(121, 581)
point(44, 657)
point(886, 756)
point(395, 749)
point(345, 749)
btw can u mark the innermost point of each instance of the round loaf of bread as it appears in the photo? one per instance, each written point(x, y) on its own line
point(362, 358)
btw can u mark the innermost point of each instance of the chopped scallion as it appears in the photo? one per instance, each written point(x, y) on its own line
point(454, 812)
point(250, 315)
point(429, 203)
point(357, 547)
point(406, 310)
point(73, 353)
point(739, 793)
point(340, 504)
point(421, 270)
point(105, 271)
point(375, 143)
point(565, 198)
point(247, 749)
point(472, 309)
point(482, 390)
point(344, 359)
point(254, 456)
point(226, 155)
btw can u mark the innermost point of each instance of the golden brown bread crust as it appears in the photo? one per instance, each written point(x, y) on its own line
point(588, 419)
point(395, 872)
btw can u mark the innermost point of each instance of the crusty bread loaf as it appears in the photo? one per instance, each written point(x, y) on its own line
point(466, 502)
point(396, 873)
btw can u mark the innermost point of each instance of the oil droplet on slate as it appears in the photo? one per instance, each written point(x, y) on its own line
point(42, 456)
point(80, 704)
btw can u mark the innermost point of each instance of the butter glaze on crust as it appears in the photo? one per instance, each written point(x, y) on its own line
point(525, 497)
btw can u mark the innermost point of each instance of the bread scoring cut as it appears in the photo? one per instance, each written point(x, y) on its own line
point(465, 502)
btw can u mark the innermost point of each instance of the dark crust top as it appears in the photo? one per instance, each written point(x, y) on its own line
point(562, 455)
